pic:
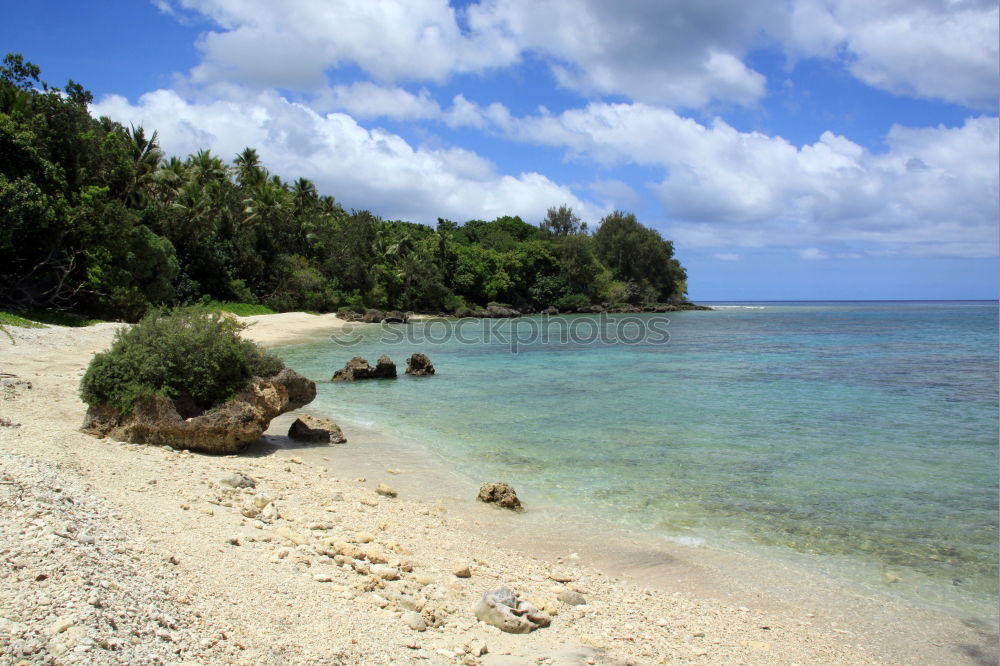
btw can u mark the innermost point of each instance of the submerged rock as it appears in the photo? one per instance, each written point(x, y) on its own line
point(503, 609)
point(222, 429)
point(308, 428)
point(419, 365)
point(501, 494)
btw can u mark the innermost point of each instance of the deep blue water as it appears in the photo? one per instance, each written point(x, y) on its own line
point(859, 438)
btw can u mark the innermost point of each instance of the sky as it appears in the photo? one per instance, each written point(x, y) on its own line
point(791, 149)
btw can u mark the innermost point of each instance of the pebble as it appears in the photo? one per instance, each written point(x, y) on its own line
point(237, 480)
point(572, 598)
point(462, 571)
point(323, 578)
point(414, 620)
point(384, 571)
point(385, 490)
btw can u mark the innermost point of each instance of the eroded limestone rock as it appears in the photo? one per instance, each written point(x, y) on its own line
point(309, 428)
point(501, 494)
point(222, 429)
point(503, 609)
point(419, 365)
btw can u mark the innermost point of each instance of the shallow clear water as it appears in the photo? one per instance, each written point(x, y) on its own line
point(858, 438)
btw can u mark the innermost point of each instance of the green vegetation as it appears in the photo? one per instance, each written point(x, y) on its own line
point(187, 354)
point(94, 218)
point(11, 319)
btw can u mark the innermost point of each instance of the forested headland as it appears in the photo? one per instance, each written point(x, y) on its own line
point(96, 219)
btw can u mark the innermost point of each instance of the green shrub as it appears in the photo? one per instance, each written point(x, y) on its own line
point(187, 353)
point(572, 302)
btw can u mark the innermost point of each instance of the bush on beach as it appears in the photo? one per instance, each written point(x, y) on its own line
point(185, 353)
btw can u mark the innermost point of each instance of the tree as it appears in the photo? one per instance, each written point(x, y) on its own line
point(562, 222)
point(637, 254)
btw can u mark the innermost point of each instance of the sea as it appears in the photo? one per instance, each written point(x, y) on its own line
point(858, 439)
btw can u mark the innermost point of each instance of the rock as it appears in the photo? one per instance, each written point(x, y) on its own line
point(501, 312)
point(308, 428)
point(359, 368)
point(323, 578)
point(385, 368)
point(384, 571)
point(560, 577)
point(419, 365)
point(462, 571)
point(551, 310)
point(396, 317)
point(414, 621)
point(260, 500)
point(237, 480)
point(501, 494)
point(223, 429)
point(385, 490)
point(59, 626)
point(503, 609)
point(356, 368)
point(373, 317)
point(270, 513)
point(572, 598)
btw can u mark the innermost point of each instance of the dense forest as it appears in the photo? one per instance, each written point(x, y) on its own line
point(94, 218)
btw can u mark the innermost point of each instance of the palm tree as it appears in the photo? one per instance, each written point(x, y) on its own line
point(145, 156)
point(249, 172)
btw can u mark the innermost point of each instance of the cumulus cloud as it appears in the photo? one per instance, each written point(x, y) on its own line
point(362, 168)
point(682, 54)
point(942, 49)
point(292, 44)
point(365, 99)
point(934, 191)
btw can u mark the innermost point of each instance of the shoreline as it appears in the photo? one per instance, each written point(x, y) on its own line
point(240, 589)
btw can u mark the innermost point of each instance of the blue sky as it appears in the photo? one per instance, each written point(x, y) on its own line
point(808, 149)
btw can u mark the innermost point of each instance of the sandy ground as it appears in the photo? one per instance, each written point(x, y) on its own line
point(113, 553)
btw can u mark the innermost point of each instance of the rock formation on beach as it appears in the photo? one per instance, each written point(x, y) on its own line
point(503, 609)
point(223, 429)
point(308, 428)
point(359, 368)
point(418, 365)
point(501, 494)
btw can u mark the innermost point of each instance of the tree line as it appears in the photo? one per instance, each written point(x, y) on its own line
point(95, 218)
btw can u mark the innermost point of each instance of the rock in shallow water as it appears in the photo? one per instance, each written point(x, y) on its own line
point(419, 365)
point(503, 609)
point(501, 494)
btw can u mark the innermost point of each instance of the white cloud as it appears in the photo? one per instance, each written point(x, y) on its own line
point(362, 168)
point(934, 191)
point(369, 100)
point(291, 44)
point(813, 254)
point(944, 49)
point(682, 54)
point(727, 256)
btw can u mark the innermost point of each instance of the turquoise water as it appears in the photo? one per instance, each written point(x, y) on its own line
point(858, 438)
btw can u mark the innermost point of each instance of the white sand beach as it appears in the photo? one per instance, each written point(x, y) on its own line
point(116, 553)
